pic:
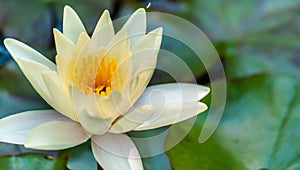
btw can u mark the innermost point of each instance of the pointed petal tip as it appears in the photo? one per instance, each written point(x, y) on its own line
point(206, 90)
point(55, 30)
point(158, 31)
point(203, 107)
point(140, 10)
point(67, 7)
point(8, 42)
point(106, 12)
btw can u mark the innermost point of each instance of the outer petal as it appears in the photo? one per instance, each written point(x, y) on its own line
point(136, 25)
point(104, 30)
point(116, 151)
point(72, 25)
point(64, 47)
point(93, 124)
point(19, 50)
point(56, 135)
point(172, 93)
point(33, 71)
point(171, 114)
point(60, 98)
point(133, 118)
point(14, 128)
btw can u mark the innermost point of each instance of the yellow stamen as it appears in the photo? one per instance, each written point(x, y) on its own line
point(92, 76)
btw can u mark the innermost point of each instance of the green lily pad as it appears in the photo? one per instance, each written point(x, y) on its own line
point(33, 161)
point(256, 36)
point(13, 104)
point(259, 129)
point(80, 157)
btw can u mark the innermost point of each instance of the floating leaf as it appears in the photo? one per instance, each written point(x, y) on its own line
point(80, 157)
point(32, 161)
point(259, 129)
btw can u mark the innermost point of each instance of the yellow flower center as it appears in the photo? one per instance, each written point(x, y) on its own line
point(93, 76)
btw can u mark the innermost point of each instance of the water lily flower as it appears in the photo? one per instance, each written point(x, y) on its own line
point(98, 91)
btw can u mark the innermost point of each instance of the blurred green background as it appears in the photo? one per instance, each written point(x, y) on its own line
point(258, 43)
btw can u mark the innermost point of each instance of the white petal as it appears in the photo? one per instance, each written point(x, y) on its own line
point(72, 25)
point(104, 31)
point(56, 135)
point(172, 93)
point(93, 124)
point(107, 107)
point(112, 104)
point(150, 41)
point(33, 71)
point(64, 47)
point(60, 98)
point(136, 25)
point(143, 66)
point(144, 57)
point(15, 128)
point(172, 113)
point(116, 151)
point(119, 46)
point(19, 50)
point(82, 101)
point(133, 118)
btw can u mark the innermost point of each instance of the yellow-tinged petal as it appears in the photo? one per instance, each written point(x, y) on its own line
point(104, 30)
point(19, 50)
point(82, 40)
point(60, 97)
point(171, 113)
point(118, 47)
point(72, 25)
point(150, 41)
point(116, 148)
point(136, 25)
point(112, 104)
point(144, 55)
point(89, 48)
point(140, 81)
point(15, 128)
point(93, 124)
point(33, 71)
point(56, 135)
point(64, 47)
point(82, 102)
point(65, 51)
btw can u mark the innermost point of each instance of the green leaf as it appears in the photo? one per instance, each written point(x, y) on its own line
point(80, 157)
point(33, 161)
point(151, 151)
point(259, 129)
point(14, 81)
point(257, 37)
point(13, 104)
